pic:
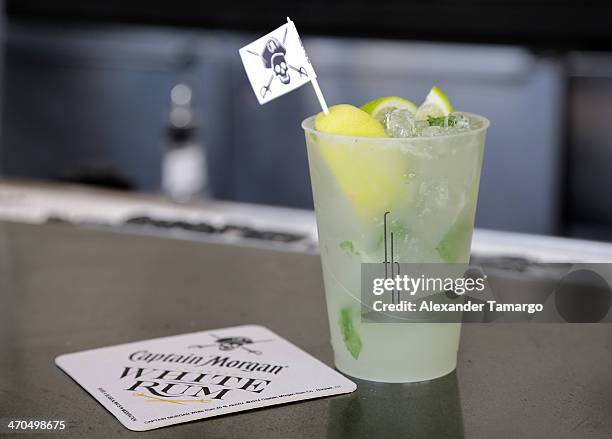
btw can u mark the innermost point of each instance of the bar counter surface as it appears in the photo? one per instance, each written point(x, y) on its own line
point(65, 289)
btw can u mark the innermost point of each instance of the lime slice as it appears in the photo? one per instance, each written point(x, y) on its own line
point(436, 104)
point(371, 177)
point(347, 120)
point(378, 108)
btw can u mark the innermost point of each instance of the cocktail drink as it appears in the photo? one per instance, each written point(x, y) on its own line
point(419, 174)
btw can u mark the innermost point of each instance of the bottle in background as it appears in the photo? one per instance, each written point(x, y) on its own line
point(184, 167)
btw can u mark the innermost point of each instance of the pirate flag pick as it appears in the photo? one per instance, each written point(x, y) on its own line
point(277, 64)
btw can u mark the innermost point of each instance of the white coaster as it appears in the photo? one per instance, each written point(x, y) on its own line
point(165, 381)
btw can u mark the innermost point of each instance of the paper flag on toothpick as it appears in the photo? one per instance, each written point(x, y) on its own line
point(277, 64)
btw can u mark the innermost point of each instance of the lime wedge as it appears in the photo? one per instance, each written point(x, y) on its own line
point(378, 108)
point(436, 104)
point(371, 177)
point(347, 120)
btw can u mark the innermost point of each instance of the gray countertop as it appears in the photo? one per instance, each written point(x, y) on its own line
point(64, 289)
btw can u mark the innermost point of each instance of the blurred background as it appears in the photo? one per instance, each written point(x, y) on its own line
point(101, 92)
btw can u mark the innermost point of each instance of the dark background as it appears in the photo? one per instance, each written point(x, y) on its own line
point(87, 84)
point(537, 23)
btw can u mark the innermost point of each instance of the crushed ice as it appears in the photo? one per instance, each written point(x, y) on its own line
point(401, 123)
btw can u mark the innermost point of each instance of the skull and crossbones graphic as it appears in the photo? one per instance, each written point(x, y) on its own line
point(274, 58)
point(231, 343)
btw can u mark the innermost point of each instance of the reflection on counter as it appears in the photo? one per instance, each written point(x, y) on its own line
point(430, 409)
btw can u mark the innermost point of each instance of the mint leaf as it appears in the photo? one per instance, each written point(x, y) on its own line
point(435, 121)
point(442, 121)
point(455, 243)
point(352, 341)
point(348, 247)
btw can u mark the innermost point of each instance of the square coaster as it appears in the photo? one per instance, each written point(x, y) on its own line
point(170, 380)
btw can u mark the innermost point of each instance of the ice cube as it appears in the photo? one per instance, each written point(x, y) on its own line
point(452, 124)
point(400, 123)
point(432, 131)
point(461, 122)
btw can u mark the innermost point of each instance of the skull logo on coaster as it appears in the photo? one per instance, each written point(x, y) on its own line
point(274, 58)
point(231, 343)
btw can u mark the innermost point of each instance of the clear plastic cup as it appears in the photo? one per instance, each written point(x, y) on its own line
point(428, 187)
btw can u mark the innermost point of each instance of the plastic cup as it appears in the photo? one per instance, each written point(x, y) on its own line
point(428, 187)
